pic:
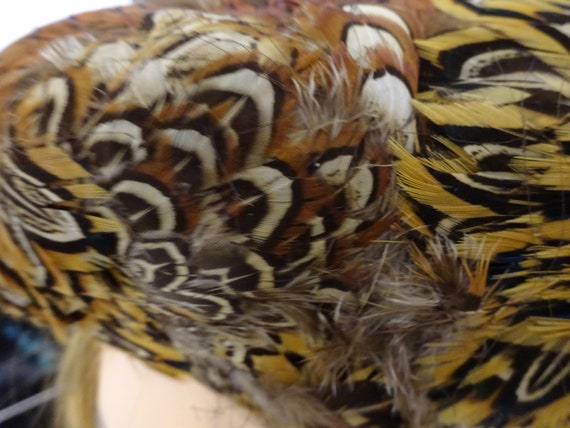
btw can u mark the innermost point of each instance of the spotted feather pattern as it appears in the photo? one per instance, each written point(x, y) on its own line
point(340, 213)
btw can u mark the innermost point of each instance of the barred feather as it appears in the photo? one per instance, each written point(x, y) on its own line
point(339, 213)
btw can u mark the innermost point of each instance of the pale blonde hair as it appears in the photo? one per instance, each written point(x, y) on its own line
point(77, 382)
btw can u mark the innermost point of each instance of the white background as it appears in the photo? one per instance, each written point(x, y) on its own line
point(19, 17)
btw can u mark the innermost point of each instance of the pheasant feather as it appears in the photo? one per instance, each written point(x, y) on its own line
point(338, 213)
